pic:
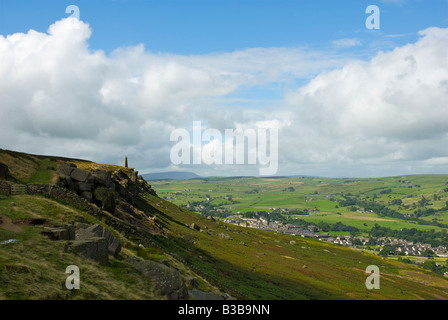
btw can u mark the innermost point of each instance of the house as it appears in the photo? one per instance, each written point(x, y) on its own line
point(442, 254)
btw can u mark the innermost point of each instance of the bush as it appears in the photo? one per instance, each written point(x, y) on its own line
point(107, 198)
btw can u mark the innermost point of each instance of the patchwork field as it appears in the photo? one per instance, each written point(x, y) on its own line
point(321, 198)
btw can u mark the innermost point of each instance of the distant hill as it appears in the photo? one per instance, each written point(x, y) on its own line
point(172, 175)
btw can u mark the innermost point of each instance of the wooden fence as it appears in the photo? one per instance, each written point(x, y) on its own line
point(18, 189)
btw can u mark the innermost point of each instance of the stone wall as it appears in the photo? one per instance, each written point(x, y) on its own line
point(64, 195)
point(5, 188)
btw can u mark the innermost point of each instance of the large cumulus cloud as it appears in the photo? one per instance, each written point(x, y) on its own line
point(390, 111)
point(57, 96)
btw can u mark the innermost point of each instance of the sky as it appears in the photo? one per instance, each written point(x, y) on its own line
point(117, 77)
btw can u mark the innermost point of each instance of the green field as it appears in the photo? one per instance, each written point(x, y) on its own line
point(321, 197)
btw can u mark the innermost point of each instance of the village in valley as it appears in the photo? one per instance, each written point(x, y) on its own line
point(402, 247)
point(391, 217)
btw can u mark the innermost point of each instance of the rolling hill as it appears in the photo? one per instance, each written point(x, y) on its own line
point(173, 175)
point(207, 254)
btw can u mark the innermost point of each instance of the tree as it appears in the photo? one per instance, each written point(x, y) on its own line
point(423, 202)
point(387, 250)
point(107, 198)
point(428, 253)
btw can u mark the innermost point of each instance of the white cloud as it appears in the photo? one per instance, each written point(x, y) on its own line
point(59, 97)
point(392, 108)
point(347, 42)
point(56, 92)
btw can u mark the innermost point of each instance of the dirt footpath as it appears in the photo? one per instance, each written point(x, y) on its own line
point(7, 224)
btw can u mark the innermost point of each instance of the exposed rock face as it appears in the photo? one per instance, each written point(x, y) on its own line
point(91, 241)
point(94, 249)
point(168, 280)
point(194, 226)
point(79, 175)
point(191, 282)
point(224, 236)
point(103, 178)
point(126, 184)
point(97, 231)
point(60, 233)
point(67, 169)
point(84, 186)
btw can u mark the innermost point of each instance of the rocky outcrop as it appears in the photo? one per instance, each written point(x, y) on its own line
point(133, 230)
point(91, 241)
point(83, 182)
point(194, 226)
point(167, 280)
point(94, 249)
point(80, 175)
point(192, 282)
point(67, 233)
point(86, 232)
point(125, 183)
point(224, 236)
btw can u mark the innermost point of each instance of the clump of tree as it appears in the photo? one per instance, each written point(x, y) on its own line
point(397, 202)
point(388, 250)
point(422, 236)
point(434, 267)
point(383, 211)
point(106, 197)
point(423, 202)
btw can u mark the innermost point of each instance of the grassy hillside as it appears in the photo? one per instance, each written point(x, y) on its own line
point(246, 263)
point(264, 265)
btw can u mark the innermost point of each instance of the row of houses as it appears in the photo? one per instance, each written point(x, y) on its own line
point(413, 249)
point(403, 246)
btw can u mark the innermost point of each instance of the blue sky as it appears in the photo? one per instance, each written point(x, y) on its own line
point(347, 101)
point(203, 26)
